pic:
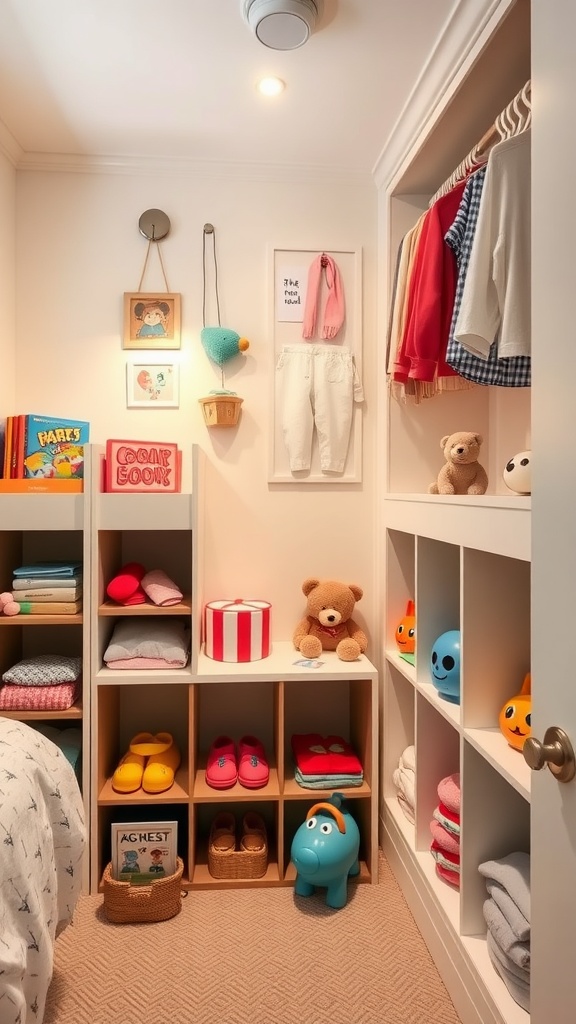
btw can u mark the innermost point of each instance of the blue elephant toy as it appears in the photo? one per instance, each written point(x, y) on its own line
point(325, 851)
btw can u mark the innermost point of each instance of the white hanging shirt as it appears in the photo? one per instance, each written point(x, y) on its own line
point(496, 296)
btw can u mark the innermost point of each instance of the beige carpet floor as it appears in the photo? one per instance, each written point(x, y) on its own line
point(261, 956)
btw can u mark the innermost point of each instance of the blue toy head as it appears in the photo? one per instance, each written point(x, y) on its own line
point(445, 665)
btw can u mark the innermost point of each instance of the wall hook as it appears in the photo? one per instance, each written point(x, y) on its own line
point(154, 225)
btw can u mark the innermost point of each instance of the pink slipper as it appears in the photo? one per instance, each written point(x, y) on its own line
point(221, 770)
point(253, 771)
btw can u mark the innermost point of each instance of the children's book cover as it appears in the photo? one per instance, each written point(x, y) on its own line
point(54, 448)
point(144, 851)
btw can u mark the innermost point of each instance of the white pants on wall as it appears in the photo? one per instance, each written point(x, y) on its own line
point(318, 386)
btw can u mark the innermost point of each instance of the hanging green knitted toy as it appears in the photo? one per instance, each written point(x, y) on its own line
point(219, 343)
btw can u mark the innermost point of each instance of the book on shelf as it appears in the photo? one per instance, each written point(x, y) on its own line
point(49, 582)
point(45, 594)
point(44, 447)
point(144, 851)
point(50, 607)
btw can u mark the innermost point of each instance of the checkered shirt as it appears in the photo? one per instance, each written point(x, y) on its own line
point(514, 372)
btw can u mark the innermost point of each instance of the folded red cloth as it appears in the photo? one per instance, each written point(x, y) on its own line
point(125, 587)
point(454, 858)
point(448, 876)
point(451, 815)
point(443, 838)
point(324, 755)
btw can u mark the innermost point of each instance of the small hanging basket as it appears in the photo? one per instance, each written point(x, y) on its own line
point(221, 410)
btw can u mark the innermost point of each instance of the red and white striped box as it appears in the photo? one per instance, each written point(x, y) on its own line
point(237, 630)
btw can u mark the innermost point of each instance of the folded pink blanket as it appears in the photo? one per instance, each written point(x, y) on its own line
point(449, 792)
point(58, 697)
point(143, 663)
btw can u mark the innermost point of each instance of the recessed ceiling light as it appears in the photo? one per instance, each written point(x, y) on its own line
point(271, 86)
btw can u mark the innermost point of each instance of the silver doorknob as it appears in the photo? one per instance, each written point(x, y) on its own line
point(556, 751)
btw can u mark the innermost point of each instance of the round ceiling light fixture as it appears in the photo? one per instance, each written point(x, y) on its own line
point(281, 24)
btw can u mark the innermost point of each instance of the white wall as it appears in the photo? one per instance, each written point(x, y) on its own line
point(7, 285)
point(79, 250)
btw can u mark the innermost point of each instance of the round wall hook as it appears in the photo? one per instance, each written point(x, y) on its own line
point(154, 225)
point(208, 229)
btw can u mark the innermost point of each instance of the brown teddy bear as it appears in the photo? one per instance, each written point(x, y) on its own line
point(462, 473)
point(328, 625)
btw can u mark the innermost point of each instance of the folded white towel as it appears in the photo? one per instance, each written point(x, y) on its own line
point(404, 781)
point(518, 989)
point(513, 873)
point(515, 918)
point(408, 758)
point(518, 952)
point(408, 810)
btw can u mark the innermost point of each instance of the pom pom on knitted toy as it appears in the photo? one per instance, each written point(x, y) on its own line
point(7, 604)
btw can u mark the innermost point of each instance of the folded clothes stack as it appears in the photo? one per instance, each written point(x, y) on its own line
point(48, 588)
point(148, 644)
point(325, 762)
point(404, 778)
point(46, 682)
point(507, 915)
point(445, 829)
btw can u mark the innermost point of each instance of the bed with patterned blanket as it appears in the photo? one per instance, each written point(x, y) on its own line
point(42, 841)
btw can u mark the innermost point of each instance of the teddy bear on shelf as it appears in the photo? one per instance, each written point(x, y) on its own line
point(328, 625)
point(8, 606)
point(462, 473)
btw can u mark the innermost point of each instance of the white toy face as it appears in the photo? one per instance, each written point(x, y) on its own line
point(518, 473)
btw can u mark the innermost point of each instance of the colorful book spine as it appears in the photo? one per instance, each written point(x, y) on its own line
point(53, 447)
point(64, 594)
point(50, 608)
point(65, 582)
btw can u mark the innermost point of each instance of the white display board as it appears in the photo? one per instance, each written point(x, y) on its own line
point(288, 284)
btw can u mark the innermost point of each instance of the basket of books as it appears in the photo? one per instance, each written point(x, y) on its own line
point(127, 904)
point(246, 857)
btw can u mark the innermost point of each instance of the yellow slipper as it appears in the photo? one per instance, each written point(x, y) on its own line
point(161, 767)
point(128, 775)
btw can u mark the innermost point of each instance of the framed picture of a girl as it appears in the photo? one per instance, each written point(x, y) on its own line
point(151, 320)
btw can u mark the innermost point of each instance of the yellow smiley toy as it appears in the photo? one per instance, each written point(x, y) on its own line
point(515, 718)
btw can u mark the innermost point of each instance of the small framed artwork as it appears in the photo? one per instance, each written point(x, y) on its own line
point(151, 320)
point(152, 385)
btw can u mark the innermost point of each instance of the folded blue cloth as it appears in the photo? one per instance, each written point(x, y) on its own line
point(48, 570)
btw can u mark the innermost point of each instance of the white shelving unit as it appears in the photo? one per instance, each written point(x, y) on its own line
point(465, 561)
point(41, 527)
point(272, 699)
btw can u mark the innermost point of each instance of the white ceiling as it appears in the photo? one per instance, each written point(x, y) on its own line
point(175, 79)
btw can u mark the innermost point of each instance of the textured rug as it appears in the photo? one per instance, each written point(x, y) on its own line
point(260, 956)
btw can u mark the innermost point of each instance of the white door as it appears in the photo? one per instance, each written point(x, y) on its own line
point(553, 844)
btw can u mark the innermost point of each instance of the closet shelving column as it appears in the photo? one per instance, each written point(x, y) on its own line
point(43, 527)
point(275, 698)
point(466, 563)
point(160, 531)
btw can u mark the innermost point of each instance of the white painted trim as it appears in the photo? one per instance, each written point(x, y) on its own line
point(77, 163)
point(467, 994)
point(464, 33)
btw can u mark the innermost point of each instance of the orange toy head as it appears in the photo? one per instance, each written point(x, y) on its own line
point(516, 715)
point(406, 631)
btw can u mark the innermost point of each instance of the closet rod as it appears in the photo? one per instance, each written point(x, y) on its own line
point(509, 122)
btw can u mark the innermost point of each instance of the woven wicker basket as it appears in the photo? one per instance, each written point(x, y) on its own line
point(237, 863)
point(125, 903)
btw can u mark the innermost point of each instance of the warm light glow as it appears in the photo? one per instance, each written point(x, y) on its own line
point(271, 86)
